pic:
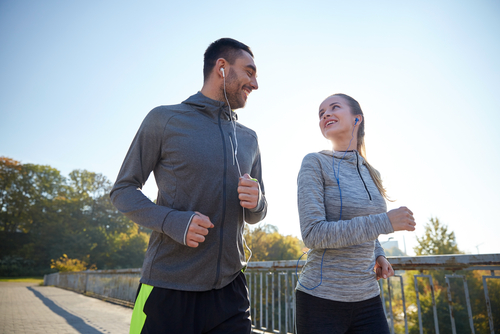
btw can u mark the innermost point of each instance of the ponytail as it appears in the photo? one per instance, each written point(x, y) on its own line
point(375, 175)
point(377, 179)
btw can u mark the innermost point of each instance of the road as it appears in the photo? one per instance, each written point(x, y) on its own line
point(29, 308)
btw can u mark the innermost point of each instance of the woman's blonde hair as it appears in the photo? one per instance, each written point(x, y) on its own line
point(356, 110)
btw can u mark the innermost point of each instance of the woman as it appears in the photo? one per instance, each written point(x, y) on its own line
point(342, 212)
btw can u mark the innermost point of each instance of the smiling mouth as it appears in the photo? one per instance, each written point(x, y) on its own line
point(246, 91)
point(330, 123)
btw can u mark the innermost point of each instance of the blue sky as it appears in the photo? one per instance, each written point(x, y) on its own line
point(77, 78)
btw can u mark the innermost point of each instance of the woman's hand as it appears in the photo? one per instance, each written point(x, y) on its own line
point(402, 219)
point(383, 268)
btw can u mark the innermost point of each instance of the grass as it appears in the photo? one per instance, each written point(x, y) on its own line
point(38, 280)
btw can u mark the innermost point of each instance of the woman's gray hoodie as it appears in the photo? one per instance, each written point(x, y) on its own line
point(190, 149)
point(351, 242)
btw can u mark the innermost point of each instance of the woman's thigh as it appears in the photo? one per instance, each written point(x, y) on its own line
point(369, 317)
point(317, 315)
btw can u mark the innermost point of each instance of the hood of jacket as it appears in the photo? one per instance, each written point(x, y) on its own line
point(209, 107)
point(349, 156)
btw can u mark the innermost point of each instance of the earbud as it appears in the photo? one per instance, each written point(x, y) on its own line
point(356, 121)
point(222, 70)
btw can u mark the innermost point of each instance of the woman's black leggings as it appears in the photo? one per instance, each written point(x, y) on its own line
point(317, 316)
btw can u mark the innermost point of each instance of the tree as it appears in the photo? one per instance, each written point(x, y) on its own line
point(9, 193)
point(268, 245)
point(436, 240)
point(44, 215)
point(25, 193)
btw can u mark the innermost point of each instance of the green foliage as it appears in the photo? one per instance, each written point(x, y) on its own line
point(268, 245)
point(494, 295)
point(44, 215)
point(64, 264)
point(37, 280)
point(14, 266)
point(476, 294)
point(436, 240)
point(26, 192)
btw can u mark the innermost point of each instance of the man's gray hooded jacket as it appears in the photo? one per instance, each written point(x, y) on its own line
point(190, 149)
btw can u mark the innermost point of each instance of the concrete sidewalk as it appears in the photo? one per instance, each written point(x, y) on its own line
point(29, 308)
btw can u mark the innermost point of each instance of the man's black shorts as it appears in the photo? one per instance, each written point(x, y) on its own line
point(159, 310)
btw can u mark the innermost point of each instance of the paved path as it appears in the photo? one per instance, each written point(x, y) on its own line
point(29, 308)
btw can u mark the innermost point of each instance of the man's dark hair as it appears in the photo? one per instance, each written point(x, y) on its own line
point(226, 48)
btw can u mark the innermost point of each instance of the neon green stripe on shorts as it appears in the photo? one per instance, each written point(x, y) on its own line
point(138, 315)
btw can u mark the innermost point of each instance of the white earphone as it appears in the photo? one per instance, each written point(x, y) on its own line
point(235, 154)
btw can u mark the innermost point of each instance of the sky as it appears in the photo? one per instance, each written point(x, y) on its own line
point(78, 77)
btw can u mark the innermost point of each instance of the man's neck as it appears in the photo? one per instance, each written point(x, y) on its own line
point(212, 93)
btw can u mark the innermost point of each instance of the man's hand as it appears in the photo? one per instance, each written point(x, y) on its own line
point(383, 268)
point(248, 190)
point(198, 229)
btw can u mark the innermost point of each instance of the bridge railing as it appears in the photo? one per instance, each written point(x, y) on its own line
point(272, 291)
point(271, 286)
point(119, 286)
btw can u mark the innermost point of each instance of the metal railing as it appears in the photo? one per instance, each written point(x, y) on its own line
point(274, 312)
point(119, 286)
point(271, 286)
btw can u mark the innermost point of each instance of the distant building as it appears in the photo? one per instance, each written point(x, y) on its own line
point(391, 248)
point(389, 244)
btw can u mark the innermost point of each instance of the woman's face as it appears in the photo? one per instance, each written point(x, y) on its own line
point(335, 119)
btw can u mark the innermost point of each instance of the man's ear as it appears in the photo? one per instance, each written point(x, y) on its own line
point(221, 67)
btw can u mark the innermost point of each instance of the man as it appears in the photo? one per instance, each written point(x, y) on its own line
point(208, 172)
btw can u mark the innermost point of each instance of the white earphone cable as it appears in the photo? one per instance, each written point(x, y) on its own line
point(233, 123)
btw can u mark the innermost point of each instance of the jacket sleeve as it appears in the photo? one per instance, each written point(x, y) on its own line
point(378, 251)
point(140, 161)
point(317, 232)
point(258, 213)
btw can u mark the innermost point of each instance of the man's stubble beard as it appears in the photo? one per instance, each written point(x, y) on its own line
point(233, 91)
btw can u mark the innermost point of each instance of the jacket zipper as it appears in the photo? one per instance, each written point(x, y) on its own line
point(359, 172)
point(219, 256)
point(232, 147)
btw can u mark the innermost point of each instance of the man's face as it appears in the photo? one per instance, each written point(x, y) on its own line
point(241, 80)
